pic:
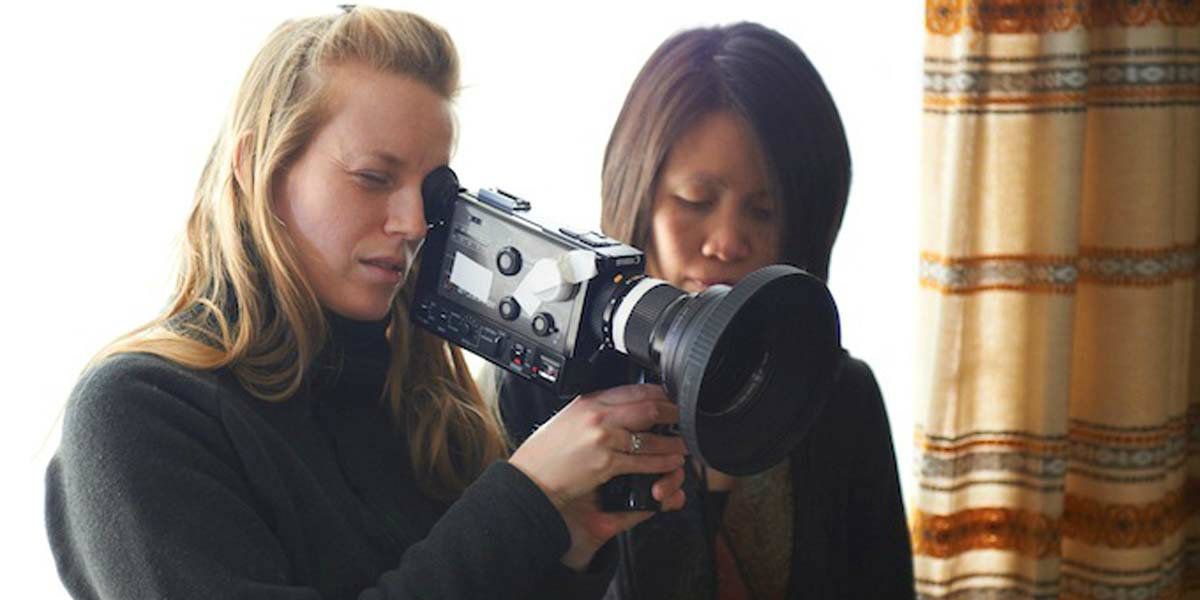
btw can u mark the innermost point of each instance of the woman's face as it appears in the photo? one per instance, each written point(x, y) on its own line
point(351, 202)
point(713, 219)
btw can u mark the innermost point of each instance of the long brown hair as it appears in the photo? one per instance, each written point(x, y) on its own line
point(764, 78)
point(241, 301)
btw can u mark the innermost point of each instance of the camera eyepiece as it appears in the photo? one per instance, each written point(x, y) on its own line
point(438, 191)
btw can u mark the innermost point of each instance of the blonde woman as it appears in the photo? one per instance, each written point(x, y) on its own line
point(281, 431)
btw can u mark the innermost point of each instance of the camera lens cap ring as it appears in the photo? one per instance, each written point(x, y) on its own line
point(780, 326)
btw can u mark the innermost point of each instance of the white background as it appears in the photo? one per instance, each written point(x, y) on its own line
point(108, 111)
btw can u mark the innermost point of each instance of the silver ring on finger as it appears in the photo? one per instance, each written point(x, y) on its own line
point(635, 443)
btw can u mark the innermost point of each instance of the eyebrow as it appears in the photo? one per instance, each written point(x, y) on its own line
point(708, 180)
point(704, 179)
point(351, 154)
point(386, 157)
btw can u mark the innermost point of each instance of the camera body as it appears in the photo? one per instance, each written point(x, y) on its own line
point(526, 297)
point(749, 365)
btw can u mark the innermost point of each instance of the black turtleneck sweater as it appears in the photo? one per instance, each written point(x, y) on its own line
point(176, 483)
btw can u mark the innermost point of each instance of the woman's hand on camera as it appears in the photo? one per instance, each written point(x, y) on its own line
point(590, 527)
point(592, 440)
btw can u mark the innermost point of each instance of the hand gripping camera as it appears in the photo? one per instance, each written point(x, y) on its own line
point(749, 365)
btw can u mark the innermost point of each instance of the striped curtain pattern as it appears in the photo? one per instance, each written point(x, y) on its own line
point(1058, 417)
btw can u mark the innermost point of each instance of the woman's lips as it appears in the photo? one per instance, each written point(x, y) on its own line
point(387, 271)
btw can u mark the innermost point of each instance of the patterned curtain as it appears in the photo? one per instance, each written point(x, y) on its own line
point(1059, 403)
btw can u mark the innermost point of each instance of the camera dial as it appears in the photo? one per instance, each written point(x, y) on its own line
point(543, 324)
point(509, 308)
point(508, 261)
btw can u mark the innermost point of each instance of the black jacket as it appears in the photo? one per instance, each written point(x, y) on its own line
point(176, 483)
point(849, 540)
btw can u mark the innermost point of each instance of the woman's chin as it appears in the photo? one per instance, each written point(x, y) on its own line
point(362, 309)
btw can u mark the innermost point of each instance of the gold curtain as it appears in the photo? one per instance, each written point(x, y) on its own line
point(1058, 416)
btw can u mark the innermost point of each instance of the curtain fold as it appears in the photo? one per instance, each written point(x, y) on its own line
point(1058, 412)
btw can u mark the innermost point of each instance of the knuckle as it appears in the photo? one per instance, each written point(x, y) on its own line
point(653, 411)
point(601, 437)
point(605, 462)
point(595, 436)
point(593, 418)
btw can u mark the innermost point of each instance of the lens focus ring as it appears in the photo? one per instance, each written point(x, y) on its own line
point(643, 318)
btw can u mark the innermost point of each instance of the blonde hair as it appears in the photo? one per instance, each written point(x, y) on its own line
point(241, 301)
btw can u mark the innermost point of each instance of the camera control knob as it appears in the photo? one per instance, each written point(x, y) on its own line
point(509, 261)
point(543, 324)
point(509, 309)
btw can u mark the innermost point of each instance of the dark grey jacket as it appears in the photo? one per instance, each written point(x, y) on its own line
point(175, 483)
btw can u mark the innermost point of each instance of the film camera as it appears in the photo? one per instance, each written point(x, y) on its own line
point(749, 365)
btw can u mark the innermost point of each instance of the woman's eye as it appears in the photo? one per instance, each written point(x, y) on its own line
point(762, 214)
point(372, 179)
point(695, 203)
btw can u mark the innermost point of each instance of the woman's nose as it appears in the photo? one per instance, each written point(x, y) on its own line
point(406, 214)
point(726, 239)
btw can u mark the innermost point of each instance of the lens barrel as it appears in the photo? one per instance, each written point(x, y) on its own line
point(750, 366)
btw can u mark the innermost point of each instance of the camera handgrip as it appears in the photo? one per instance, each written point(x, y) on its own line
point(631, 493)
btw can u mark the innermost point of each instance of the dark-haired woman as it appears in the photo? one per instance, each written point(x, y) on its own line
point(727, 156)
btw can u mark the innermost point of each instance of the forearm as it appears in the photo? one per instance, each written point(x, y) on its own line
point(502, 538)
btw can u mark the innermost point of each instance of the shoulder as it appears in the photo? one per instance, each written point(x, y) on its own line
point(857, 380)
point(134, 368)
point(855, 418)
point(128, 378)
point(854, 414)
point(119, 399)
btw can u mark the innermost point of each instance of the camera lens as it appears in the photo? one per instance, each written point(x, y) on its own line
point(734, 381)
point(749, 366)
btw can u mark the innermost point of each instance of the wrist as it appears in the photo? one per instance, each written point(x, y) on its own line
point(553, 495)
point(578, 557)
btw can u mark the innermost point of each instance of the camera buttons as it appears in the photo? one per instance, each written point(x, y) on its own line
point(593, 239)
point(509, 261)
point(543, 324)
point(509, 309)
point(597, 240)
point(489, 342)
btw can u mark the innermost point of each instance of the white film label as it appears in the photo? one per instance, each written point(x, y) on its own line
point(471, 277)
